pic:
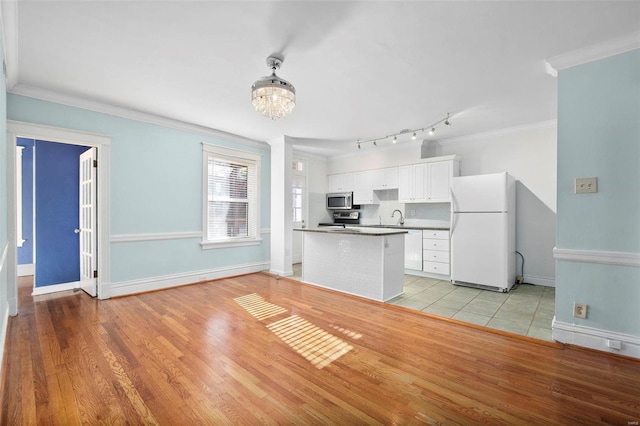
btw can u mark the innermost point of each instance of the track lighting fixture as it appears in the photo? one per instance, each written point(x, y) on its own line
point(414, 132)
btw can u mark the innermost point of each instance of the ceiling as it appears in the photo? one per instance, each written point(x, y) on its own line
point(361, 69)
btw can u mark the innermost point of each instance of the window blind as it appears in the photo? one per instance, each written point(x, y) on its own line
point(232, 198)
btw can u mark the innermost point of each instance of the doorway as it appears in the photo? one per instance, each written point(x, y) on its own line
point(51, 197)
point(75, 138)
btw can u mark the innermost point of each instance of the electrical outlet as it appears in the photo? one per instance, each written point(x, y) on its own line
point(586, 185)
point(580, 310)
point(614, 344)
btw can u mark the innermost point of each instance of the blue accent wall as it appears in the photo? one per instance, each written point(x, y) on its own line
point(57, 210)
point(25, 253)
point(599, 136)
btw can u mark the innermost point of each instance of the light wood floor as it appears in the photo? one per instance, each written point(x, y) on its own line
point(253, 350)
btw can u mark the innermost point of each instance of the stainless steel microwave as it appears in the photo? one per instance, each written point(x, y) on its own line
point(340, 201)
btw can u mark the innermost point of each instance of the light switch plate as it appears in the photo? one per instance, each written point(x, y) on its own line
point(586, 185)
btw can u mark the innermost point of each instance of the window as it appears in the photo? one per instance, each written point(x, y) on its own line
point(297, 193)
point(231, 201)
point(298, 188)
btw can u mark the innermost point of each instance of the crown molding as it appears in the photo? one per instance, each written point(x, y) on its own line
point(592, 53)
point(501, 132)
point(9, 26)
point(104, 108)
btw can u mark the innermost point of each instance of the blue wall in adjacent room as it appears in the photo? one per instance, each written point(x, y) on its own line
point(25, 253)
point(57, 213)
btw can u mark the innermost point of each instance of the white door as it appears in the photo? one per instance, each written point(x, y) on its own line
point(88, 228)
point(479, 248)
point(298, 194)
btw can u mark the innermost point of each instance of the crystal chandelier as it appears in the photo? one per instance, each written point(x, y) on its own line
point(272, 96)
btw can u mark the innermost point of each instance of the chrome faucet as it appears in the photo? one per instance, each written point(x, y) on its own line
point(401, 218)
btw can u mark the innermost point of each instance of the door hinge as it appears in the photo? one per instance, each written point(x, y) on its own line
point(95, 274)
point(95, 163)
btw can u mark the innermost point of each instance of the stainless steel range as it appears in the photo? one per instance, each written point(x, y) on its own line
point(341, 218)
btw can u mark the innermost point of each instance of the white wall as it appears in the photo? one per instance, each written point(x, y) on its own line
point(527, 153)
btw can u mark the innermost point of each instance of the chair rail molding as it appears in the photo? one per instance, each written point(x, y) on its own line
point(595, 256)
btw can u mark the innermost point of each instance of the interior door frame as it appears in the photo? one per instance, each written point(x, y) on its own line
point(17, 129)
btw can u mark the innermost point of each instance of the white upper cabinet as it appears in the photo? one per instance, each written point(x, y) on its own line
point(412, 180)
point(439, 176)
point(426, 182)
point(342, 182)
point(363, 188)
point(385, 178)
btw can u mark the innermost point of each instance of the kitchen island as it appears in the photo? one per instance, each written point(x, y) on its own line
point(365, 262)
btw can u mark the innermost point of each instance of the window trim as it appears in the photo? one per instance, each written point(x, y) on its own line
point(209, 150)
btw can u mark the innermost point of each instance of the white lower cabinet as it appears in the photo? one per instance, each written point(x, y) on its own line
point(435, 254)
point(413, 250)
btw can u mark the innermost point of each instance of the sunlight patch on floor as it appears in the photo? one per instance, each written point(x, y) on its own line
point(316, 345)
point(258, 307)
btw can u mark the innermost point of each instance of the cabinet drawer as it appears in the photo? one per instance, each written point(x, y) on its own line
point(435, 256)
point(438, 245)
point(436, 234)
point(436, 268)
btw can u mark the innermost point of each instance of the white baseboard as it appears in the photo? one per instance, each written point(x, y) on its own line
point(594, 338)
point(26, 270)
point(54, 288)
point(281, 273)
point(538, 280)
point(124, 288)
point(418, 273)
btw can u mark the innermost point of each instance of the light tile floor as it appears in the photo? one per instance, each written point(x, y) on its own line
point(526, 310)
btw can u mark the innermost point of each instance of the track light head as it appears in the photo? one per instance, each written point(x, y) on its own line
point(375, 143)
point(447, 122)
point(395, 139)
point(432, 131)
point(413, 136)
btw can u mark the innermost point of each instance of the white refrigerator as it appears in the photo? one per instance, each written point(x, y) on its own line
point(483, 237)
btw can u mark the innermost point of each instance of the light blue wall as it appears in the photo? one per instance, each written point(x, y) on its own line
point(599, 136)
point(156, 187)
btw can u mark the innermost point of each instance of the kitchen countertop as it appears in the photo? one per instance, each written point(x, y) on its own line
point(351, 230)
point(428, 228)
